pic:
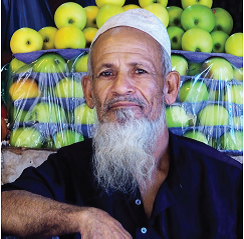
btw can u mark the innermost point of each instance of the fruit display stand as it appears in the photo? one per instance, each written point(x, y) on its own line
point(43, 117)
point(209, 106)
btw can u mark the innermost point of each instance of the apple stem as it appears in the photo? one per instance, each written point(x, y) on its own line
point(71, 21)
point(197, 50)
point(217, 46)
point(28, 43)
point(196, 22)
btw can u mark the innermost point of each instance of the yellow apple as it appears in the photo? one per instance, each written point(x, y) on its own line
point(48, 34)
point(25, 40)
point(101, 3)
point(91, 14)
point(84, 115)
point(70, 14)
point(69, 37)
point(234, 44)
point(187, 3)
point(144, 3)
point(68, 88)
point(79, 64)
point(130, 6)
point(160, 12)
point(106, 12)
point(217, 68)
point(89, 33)
point(15, 64)
point(24, 88)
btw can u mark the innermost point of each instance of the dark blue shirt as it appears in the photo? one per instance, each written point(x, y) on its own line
point(200, 198)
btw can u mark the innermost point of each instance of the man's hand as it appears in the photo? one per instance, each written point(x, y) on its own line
point(28, 215)
point(100, 224)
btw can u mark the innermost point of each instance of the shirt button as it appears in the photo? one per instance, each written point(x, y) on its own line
point(138, 202)
point(143, 230)
point(181, 186)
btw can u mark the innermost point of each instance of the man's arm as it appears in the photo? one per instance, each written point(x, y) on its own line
point(27, 214)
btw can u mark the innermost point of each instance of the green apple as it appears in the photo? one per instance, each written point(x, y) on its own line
point(187, 3)
point(193, 91)
point(48, 34)
point(176, 116)
point(217, 68)
point(175, 35)
point(144, 3)
point(89, 33)
point(234, 44)
point(130, 6)
point(223, 20)
point(238, 120)
point(194, 68)
point(238, 73)
point(174, 16)
point(67, 137)
point(19, 115)
point(232, 140)
point(15, 64)
point(69, 37)
point(197, 40)
point(79, 64)
point(213, 114)
point(84, 115)
point(70, 14)
point(107, 11)
point(68, 88)
point(160, 12)
point(197, 135)
point(234, 94)
point(50, 63)
point(25, 40)
point(48, 143)
point(179, 64)
point(91, 13)
point(26, 137)
point(215, 94)
point(47, 112)
point(219, 39)
point(198, 16)
point(101, 3)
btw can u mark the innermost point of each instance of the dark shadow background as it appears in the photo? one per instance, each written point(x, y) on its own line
point(36, 14)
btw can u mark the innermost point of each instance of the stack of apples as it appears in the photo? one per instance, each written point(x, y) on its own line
point(46, 103)
point(194, 27)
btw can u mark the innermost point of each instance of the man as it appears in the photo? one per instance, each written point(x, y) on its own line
point(134, 178)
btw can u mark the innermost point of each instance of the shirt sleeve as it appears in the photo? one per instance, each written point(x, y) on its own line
point(62, 177)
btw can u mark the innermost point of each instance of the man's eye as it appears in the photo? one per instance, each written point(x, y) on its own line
point(106, 73)
point(141, 71)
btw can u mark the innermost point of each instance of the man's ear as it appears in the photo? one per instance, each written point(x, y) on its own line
point(86, 83)
point(171, 87)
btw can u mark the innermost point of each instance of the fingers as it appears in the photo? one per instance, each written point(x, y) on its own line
point(100, 224)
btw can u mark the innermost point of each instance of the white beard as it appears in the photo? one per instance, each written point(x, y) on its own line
point(123, 159)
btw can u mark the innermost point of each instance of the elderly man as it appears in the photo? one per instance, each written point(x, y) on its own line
point(133, 178)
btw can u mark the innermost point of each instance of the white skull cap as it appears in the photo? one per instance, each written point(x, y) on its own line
point(140, 19)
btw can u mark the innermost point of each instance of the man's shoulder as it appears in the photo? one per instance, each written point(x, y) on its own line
point(201, 152)
point(82, 146)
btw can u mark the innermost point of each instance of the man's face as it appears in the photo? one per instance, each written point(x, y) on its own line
point(127, 74)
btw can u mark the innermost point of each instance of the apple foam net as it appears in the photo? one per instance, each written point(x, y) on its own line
point(214, 117)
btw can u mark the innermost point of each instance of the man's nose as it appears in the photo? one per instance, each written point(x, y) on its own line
point(123, 84)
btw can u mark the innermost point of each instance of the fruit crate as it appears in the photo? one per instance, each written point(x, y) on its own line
point(214, 134)
point(222, 126)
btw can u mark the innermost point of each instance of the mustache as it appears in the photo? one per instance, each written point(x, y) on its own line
point(133, 99)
